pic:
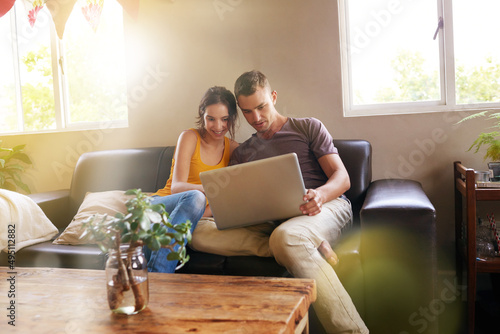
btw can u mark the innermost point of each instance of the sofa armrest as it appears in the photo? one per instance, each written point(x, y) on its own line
point(400, 212)
point(399, 206)
point(402, 201)
point(55, 205)
point(398, 252)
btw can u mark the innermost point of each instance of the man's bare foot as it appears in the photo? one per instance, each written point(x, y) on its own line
point(330, 256)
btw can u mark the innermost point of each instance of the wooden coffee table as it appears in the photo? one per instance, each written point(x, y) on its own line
point(52, 300)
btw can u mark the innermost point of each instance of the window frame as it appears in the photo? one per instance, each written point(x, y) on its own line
point(446, 71)
point(60, 88)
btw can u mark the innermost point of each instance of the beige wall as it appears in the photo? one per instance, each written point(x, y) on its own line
point(177, 49)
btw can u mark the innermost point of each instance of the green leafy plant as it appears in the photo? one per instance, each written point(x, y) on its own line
point(143, 224)
point(12, 165)
point(490, 140)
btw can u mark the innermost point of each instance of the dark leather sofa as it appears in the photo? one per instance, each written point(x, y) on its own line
point(387, 259)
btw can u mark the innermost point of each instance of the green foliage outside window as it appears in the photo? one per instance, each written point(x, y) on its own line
point(38, 98)
point(414, 83)
point(91, 86)
point(480, 83)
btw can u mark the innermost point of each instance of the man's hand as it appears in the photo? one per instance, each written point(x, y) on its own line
point(314, 201)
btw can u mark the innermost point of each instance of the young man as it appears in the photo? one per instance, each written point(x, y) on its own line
point(302, 243)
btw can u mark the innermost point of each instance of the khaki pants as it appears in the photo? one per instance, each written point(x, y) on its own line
point(294, 244)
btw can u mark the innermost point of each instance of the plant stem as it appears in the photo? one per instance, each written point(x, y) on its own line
point(139, 298)
point(122, 268)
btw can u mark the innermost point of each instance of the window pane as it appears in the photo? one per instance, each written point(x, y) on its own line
point(95, 66)
point(393, 56)
point(477, 52)
point(36, 70)
point(8, 112)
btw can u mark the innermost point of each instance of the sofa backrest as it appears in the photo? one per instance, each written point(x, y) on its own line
point(357, 158)
point(149, 168)
point(122, 169)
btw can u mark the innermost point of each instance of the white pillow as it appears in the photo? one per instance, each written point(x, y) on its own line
point(99, 204)
point(21, 215)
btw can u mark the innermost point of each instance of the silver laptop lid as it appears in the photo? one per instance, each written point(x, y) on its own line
point(254, 192)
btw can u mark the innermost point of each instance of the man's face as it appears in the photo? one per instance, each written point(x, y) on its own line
point(258, 109)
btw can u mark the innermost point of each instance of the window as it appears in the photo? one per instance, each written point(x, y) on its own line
point(50, 84)
point(407, 56)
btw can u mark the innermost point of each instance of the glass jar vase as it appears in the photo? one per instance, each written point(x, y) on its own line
point(127, 280)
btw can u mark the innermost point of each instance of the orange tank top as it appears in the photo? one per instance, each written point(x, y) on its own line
point(196, 166)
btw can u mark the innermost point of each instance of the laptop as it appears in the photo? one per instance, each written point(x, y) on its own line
point(255, 192)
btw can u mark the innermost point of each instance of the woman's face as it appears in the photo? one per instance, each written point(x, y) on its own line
point(216, 120)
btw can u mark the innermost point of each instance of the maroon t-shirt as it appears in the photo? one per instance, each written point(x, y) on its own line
point(307, 137)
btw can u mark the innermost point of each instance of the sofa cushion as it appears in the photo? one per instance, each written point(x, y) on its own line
point(46, 254)
point(104, 205)
point(21, 217)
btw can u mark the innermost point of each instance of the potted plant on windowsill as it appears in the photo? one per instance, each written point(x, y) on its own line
point(124, 236)
point(490, 140)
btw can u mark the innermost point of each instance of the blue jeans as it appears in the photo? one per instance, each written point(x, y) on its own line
point(189, 205)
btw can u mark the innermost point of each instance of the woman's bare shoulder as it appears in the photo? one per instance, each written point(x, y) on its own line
point(186, 142)
point(187, 136)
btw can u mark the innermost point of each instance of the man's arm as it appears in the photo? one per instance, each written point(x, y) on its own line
point(337, 184)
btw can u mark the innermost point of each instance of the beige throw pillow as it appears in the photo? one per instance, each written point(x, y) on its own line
point(22, 222)
point(99, 204)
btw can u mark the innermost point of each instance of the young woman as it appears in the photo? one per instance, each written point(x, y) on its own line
point(201, 149)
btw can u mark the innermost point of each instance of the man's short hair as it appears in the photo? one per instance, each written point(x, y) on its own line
point(248, 83)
